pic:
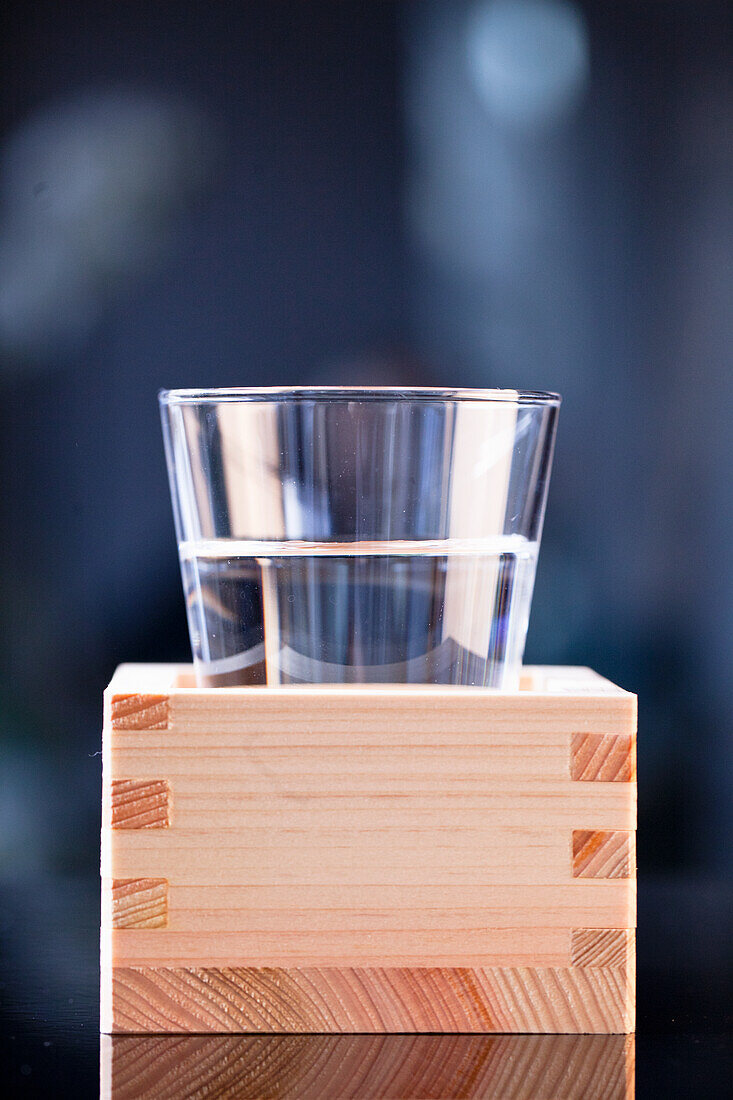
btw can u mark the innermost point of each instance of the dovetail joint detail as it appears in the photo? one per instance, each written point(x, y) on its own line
point(140, 803)
point(139, 903)
point(600, 946)
point(603, 758)
point(140, 712)
point(598, 854)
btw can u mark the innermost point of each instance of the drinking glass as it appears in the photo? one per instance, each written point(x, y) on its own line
point(358, 536)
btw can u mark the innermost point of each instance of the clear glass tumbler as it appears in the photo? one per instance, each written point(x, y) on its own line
point(351, 536)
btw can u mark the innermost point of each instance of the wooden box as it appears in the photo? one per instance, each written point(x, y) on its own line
point(376, 859)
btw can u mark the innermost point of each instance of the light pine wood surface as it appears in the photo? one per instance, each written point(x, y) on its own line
point(368, 859)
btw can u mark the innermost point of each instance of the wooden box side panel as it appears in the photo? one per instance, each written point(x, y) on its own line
point(373, 1000)
point(357, 834)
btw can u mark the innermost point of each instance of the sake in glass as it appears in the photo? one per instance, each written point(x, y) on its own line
point(358, 536)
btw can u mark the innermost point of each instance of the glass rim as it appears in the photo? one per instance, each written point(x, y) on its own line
point(277, 394)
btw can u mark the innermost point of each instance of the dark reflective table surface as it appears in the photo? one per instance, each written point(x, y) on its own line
point(51, 1045)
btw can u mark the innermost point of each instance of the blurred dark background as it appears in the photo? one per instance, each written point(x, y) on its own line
point(522, 193)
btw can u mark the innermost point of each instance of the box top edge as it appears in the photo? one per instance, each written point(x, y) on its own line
point(540, 681)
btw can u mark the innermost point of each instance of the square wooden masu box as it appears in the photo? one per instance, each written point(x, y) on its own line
point(368, 859)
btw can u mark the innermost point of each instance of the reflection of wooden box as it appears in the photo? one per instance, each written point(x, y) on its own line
point(335, 1067)
point(376, 859)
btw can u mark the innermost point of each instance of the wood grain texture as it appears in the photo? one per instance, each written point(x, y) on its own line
point(498, 906)
point(377, 857)
point(367, 1067)
point(199, 805)
point(334, 945)
point(574, 904)
point(428, 841)
point(425, 714)
point(139, 903)
point(601, 946)
point(598, 854)
point(603, 758)
point(369, 1000)
point(140, 803)
point(139, 712)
